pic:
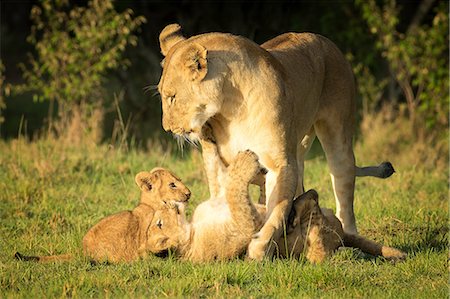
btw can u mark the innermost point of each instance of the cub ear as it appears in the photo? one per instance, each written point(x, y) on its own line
point(196, 62)
point(144, 180)
point(169, 36)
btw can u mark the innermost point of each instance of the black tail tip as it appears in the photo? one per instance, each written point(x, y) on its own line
point(18, 256)
point(387, 169)
point(21, 257)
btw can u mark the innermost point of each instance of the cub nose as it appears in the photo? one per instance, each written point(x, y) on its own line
point(188, 195)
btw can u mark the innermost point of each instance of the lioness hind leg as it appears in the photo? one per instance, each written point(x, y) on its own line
point(336, 140)
point(302, 149)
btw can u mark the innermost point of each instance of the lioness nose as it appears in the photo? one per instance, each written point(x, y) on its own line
point(188, 195)
point(165, 124)
point(166, 127)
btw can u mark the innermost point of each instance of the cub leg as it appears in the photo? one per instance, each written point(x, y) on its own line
point(373, 247)
point(336, 140)
point(244, 168)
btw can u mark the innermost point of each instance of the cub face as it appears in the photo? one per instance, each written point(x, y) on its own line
point(191, 87)
point(165, 230)
point(160, 187)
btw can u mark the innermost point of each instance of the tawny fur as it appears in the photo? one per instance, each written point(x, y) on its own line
point(273, 99)
point(316, 232)
point(123, 237)
point(222, 228)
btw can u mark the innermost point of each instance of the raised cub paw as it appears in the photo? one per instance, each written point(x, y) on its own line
point(246, 165)
point(207, 133)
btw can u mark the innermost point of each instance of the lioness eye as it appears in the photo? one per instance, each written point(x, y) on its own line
point(172, 185)
point(159, 223)
point(171, 99)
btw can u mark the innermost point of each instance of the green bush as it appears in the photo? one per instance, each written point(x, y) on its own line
point(417, 58)
point(3, 90)
point(74, 50)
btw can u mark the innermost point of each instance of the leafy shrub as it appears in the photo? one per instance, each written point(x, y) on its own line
point(417, 58)
point(74, 50)
point(3, 90)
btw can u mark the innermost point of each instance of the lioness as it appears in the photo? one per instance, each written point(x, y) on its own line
point(222, 228)
point(123, 236)
point(273, 99)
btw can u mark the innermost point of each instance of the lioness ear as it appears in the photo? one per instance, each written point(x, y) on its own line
point(169, 36)
point(143, 180)
point(196, 62)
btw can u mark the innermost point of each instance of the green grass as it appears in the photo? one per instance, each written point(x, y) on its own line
point(51, 194)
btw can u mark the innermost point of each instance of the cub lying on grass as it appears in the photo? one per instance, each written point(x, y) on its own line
point(123, 236)
point(223, 227)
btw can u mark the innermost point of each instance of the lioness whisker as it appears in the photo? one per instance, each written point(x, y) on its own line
point(191, 142)
point(151, 88)
point(156, 93)
point(180, 142)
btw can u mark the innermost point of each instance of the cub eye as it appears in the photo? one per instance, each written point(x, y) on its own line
point(159, 223)
point(172, 185)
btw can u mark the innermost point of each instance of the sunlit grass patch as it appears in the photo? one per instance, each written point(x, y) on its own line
point(51, 194)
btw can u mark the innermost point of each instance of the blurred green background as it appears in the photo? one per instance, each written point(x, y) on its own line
point(399, 51)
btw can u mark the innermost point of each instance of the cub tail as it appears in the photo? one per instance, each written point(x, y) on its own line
point(373, 248)
point(382, 171)
point(43, 258)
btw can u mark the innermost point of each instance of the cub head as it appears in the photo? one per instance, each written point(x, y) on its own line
point(165, 231)
point(159, 188)
point(191, 83)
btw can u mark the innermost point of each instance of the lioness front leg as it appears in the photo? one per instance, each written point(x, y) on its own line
point(214, 166)
point(281, 186)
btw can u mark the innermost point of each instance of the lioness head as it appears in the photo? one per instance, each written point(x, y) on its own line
point(160, 187)
point(190, 85)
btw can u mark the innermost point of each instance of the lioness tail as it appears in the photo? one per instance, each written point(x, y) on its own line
point(382, 171)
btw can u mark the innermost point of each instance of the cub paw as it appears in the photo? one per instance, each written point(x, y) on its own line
point(246, 165)
point(207, 133)
point(257, 249)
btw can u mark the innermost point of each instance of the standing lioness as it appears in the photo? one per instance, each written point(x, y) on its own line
point(272, 99)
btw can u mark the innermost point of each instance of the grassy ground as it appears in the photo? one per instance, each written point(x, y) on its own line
point(51, 194)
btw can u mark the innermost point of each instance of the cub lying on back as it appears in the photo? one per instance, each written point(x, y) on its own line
point(222, 228)
point(123, 236)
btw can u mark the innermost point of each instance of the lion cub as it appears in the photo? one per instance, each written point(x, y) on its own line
point(223, 227)
point(123, 236)
point(316, 232)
